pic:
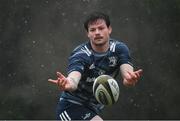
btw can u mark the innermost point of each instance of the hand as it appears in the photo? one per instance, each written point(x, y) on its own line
point(131, 78)
point(62, 82)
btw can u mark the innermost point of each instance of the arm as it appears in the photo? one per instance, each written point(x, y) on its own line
point(130, 77)
point(69, 83)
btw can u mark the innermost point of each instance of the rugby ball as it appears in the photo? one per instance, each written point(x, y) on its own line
point(106, 90)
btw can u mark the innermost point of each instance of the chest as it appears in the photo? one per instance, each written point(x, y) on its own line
point(102, 65)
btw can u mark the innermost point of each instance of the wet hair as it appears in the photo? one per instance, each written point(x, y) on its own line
point(93, 17)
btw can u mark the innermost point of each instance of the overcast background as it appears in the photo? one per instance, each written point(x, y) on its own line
point(37, 36)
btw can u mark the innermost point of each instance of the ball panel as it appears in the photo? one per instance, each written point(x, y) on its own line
point(102, 95)
point(114, 89)
point(102, 79)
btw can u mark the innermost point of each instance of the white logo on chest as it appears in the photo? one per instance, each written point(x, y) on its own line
point(112, 61)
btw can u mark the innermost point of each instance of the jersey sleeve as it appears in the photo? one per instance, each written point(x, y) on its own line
point(123, 54)
point(77, 62)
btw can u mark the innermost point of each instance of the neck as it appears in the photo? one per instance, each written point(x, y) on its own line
point(100, 48)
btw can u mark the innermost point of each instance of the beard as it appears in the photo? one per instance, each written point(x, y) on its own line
point(100, 45)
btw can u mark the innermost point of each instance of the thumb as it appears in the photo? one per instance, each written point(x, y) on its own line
point(53, 81)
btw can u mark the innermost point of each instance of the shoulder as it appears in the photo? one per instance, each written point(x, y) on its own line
point(82, 51)
point(118, 45)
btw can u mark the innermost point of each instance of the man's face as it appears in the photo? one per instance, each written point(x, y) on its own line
point(99, 33)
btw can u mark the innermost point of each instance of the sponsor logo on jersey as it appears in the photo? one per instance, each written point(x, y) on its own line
point(87, 115)
point(92, 66)
point(90, 79)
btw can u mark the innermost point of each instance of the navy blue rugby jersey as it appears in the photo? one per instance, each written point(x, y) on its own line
point(92, 64)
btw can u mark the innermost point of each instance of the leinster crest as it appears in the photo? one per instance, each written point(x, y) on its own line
point(112, 61)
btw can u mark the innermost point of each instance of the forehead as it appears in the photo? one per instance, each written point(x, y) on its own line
point(97, 23)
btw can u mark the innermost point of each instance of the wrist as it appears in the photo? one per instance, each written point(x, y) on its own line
point(73, 83)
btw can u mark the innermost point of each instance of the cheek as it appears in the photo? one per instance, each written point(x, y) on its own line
point(106, 34)
point(90, 35)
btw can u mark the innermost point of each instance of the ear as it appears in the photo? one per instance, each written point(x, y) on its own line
point(110, 29)
point(87, 33)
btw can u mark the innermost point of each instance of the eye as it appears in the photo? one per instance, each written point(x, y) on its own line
point(101, 28)
point(92, 30)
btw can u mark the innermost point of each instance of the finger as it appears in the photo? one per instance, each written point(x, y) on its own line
point(129, 83)
point(60, 75)
point(139, 71)
point(137, 75)
point(133, 76)
point(59, 82)
point(62, 84)
point(53, 81)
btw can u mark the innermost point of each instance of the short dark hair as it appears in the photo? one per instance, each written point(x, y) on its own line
point(94, 17)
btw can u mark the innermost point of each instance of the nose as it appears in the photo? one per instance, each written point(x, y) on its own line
point(97, 31)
